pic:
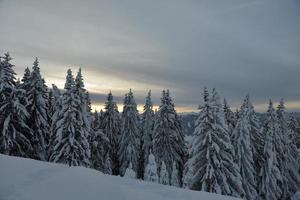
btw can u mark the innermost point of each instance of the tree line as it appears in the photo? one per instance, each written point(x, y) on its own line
point(231, 153)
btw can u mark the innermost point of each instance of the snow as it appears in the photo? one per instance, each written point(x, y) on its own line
point(26, 179)
point(296, 196)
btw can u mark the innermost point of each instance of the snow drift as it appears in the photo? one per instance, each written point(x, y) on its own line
point(26, 179)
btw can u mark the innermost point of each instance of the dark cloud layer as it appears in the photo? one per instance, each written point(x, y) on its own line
point(239, 47)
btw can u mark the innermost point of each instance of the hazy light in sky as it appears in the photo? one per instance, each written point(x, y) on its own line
point(239, 47)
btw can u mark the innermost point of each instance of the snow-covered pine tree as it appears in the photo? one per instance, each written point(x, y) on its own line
point(100, 118)
point(243, 151)
point(107, 165)
point(51, 108)
point(129, 172)
point(15, 134)
point(95, 122)
point(71, 145)
point(85, 110)
point(99, 147)
point(188, 169)
point(271, 179)
point(99, 150)
point(25, 84)
point(7, 76)
point(212, 161)
point(187, 172)
point(174, 177)
point(236, 114)
point(37, 99)
point(146, 133)
point(256, 135)
point(164, 175)
point(289, 166)
point(150, 173)
point(111, 127)
point(130, 135)
point(229, 117)
point(295, 128)
point(54, 110)
point(168, 141)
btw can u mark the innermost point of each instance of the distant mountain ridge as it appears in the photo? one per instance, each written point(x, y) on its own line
point(189, 119)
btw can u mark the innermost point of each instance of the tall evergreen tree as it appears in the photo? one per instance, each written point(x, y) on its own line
point(26, 82)
point(169, 145)
point(130, 135)
point(188, 172)
point(99, 147)
point(146, 132)
point(212, 161)
point(164, 175)
point(111, 127)
point(270, 175)
point(71, 145)
point(99, 151)
point(15, 134)
point(243, 151)
point(7, 75)
point(129, 172)
point(107, 165)
point(151, 170)
point(37, 97)
point(294, 126)
point(174, 176)
point(54, 110)
point(85, 110)
point(229, 117)
point(289, 166)
point(256, 136)
point(51, 108)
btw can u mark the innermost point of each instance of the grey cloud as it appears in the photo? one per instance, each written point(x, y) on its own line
point(238, 47)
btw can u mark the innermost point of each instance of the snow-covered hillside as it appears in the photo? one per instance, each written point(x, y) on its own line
point(25, 179)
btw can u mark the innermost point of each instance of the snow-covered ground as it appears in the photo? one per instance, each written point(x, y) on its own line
point(26, 179)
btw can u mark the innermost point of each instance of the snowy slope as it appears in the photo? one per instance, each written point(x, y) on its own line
point(25, 179)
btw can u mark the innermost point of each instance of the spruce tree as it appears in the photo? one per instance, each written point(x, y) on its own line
point(212, 161)
point(256, 135)
point(164, 175)
point(25, 84)
point(71, 145)
point(229, 117)
point(243, 151)
point(174, 176)
point(7, 75)
point(51, 108)
point(54, 111)
point(289, 166)
point(168, 141)
point(37, 98)
point(85, 110)
point(187, 173)
point(15, 135)
point(270, 174)
point(294, 126)
point(129, 172)
point(130, 135)
point(96, 122)
point(99, 154)
point(99, 147)
point(107, 165)
point(111, 127)
point(146, 132)
point(150, 173)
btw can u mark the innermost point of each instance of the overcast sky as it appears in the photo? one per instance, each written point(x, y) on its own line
point(240, 47)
